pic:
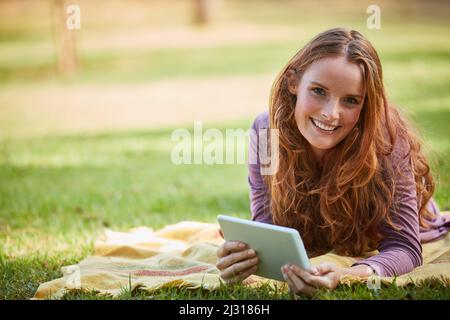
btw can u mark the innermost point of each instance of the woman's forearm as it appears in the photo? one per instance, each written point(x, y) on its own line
point(361, 270)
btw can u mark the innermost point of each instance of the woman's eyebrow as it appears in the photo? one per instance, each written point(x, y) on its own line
point(354, 96)
point(319, 84)
point(349, 95)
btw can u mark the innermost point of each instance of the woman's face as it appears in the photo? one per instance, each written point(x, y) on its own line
point(330, 96)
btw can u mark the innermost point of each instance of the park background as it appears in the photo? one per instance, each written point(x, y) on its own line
point(86, 146)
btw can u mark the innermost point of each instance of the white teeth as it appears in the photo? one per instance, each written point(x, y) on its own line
point(323, 126)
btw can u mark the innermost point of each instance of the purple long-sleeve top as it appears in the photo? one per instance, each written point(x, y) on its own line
point(400, 251)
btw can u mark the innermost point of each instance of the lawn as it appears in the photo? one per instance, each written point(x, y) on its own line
point(59, 190)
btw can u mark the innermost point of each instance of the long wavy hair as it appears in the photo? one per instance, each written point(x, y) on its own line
point(340, 203)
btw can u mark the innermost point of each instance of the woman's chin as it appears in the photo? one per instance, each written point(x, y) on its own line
point(322, 143)
point(323, 146)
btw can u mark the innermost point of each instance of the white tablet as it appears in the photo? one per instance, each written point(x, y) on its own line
point(275, 246)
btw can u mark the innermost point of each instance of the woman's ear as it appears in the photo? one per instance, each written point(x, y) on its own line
point(292, 81)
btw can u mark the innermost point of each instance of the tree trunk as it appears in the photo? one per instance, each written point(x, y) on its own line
point(205, 10)
point(66, 53)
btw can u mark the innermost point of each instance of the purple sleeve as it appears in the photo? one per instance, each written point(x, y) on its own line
point(259, 200)
point(400, 251)
point(438, 225)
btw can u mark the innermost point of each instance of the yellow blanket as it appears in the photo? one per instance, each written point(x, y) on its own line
point(184, 255)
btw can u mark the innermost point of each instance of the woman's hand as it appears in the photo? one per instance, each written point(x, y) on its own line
point(236, 261)
point(307, 282)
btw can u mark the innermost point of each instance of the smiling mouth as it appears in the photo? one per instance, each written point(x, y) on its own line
point(323, 126)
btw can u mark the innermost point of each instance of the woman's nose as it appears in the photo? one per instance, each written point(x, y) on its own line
point(330, 111)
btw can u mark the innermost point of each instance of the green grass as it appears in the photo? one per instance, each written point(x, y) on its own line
point(429, 289)
point(137, 66)
point(58, 192)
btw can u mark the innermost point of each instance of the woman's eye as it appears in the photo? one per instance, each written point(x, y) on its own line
point(319, 91)
point(351, 100)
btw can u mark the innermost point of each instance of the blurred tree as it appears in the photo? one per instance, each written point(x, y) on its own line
point(65, 43)
point(205, 11)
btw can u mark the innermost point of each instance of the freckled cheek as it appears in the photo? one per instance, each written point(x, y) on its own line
point(350, 118)
point(305, 108)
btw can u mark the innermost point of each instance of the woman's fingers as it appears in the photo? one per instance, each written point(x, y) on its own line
point(236, 262)
point(229, 247)
point(288, 281)
point(325, 268)
point(296, 284)
point(313, 281)
point(234, 270)
point(243, 275)
point(234, 258)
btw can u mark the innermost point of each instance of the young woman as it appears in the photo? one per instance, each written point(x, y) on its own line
point(351, 175)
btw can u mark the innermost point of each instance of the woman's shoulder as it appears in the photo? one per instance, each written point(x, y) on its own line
point(401, 150)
